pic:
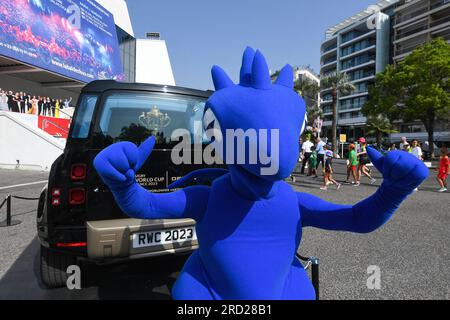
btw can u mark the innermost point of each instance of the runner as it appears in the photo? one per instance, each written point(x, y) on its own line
point(313, 164)
point(444, 169)
point(306, 153)
point(363, 161)
point(328, 172)
point(352, 165)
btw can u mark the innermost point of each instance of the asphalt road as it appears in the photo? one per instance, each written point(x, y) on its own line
point(411, 251)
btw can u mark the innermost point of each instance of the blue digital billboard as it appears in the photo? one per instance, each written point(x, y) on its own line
point(74, 38)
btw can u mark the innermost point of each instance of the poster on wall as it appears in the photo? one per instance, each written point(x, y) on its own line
point(74, 38)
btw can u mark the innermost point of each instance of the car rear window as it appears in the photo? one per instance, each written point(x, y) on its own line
point(133, 116)
point(82, 121)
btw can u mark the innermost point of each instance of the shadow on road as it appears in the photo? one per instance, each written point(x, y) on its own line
point(139, 279)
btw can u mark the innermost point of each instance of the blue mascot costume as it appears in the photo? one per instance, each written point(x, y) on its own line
point(249, 224)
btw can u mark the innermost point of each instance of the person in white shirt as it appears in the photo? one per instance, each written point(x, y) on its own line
point(416, 150)
point(403, 143)
point(320, 153)
point(306, 153)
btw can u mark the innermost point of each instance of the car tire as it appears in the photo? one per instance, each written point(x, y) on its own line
point(54, 267)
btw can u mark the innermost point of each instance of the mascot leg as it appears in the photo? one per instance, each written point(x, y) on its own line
point(191, 283)
point(298, 286)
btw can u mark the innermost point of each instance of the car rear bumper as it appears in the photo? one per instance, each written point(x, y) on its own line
point(111, 239)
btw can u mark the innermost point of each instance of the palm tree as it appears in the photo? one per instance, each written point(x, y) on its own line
point(309, 89)
point(379, 125)
point(339, 83)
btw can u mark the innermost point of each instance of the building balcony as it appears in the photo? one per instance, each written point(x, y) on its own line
point(355, 53)
point(352, 121)
point(358, 66)
point(351, 109)
point(361, 37)
point(432, 26)
point(354, 95)
point(363, 79)
point(326, 101)
point(325, 90)
point(328, 49)
point(328, 64)
point(329, 41)
point(420, 12)
point(326, 55)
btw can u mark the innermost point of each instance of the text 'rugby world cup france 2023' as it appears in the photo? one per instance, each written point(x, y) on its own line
point(249, 222)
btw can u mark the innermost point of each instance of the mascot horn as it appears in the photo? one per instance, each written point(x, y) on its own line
point(249, 221)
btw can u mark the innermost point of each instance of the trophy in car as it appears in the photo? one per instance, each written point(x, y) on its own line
point(154, 120)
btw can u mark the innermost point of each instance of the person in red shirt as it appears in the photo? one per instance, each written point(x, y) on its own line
point(444, 169)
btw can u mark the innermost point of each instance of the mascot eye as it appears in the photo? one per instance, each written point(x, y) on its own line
point(304, 124)
point(210, 122)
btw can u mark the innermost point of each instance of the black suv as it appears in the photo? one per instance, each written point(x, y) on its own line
point(77, 216)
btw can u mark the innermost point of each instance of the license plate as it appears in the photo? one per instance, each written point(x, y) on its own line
point(160, 237)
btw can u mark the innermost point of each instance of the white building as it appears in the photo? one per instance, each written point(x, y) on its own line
point(144, 60)
point(308, 73)
point(358, 46)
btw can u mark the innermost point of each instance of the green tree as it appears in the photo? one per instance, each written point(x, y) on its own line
point(417, 88)
point(339, 84)
point(379, 125)
point(309, 90)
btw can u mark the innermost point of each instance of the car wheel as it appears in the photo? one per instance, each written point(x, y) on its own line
point(54, 267)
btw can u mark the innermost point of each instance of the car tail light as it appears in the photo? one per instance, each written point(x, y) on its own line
point(78, 172)
point(71, 244)
point(77, 196)
point(56, 192)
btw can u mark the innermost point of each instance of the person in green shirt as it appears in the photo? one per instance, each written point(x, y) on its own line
point(352, 165)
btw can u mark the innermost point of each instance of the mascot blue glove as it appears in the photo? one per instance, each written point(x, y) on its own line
point(249, 221)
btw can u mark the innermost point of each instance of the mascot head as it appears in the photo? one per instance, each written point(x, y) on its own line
point(256, 124)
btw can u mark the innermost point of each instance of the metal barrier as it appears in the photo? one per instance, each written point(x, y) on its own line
point(9, 221)
point(312, 262)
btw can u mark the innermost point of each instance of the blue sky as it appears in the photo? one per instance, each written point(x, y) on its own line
point(201, 33)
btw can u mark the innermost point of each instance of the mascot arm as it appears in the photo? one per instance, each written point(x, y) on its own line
point(117, 165)
point(137, 202)
point(402, 173)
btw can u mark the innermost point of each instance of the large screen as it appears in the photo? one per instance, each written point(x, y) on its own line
point(74, 38)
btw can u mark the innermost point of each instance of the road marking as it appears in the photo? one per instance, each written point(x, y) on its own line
point(23, 184)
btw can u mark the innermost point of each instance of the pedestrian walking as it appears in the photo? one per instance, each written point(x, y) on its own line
point(306, 153)
point(444, 169)
point(352, 165)
point(416, 150)
point(363, 160)
point(320, 153)
point(312, 164)
point(328, 172)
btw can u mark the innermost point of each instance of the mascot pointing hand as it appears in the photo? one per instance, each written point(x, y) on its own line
point(249, 221)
